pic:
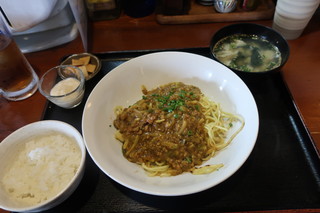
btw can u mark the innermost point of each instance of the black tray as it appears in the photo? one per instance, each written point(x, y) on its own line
point(282, 172)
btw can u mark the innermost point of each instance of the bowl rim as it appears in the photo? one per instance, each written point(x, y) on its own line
point(46, 125)
point(284, 60)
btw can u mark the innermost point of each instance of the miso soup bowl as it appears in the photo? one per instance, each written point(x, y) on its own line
point(263, 32)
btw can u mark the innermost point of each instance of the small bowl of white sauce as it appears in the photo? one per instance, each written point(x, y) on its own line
point(63, 85)
point(41, 164)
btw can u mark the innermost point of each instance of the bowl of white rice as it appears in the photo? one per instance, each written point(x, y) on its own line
point(41, 164)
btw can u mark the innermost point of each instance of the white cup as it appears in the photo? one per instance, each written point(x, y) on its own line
point(292, 16)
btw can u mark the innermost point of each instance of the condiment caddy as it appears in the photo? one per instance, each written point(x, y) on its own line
point(204, 14)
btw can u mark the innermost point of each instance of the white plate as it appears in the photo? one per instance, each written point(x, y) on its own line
point(122, 86)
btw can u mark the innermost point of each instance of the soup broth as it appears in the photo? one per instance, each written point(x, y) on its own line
point(248, 53)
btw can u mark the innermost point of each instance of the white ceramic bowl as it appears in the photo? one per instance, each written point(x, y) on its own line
point(122, 87)
point(9, 148)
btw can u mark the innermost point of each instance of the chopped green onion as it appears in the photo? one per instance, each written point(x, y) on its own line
point(188, 159)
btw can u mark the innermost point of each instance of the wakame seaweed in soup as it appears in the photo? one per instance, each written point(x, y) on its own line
point(248, 53)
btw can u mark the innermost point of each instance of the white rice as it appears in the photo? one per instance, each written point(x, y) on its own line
point(43, 167)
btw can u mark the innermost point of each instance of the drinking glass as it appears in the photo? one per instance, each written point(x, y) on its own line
point(18, 80)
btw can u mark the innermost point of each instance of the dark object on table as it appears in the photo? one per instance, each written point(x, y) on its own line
point(249, 5)
point(177, 7)
point(263, 32)
point(205, 2)
point(139, 8)
point(103, 10)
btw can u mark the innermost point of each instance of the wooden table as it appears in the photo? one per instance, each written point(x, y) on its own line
point(301, 72)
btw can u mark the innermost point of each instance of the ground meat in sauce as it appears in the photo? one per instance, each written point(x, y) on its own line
point(168, 125)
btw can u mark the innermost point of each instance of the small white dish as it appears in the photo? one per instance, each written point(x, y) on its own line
point(122, 87)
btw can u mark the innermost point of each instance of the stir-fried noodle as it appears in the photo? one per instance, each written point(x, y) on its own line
point(174, 129)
